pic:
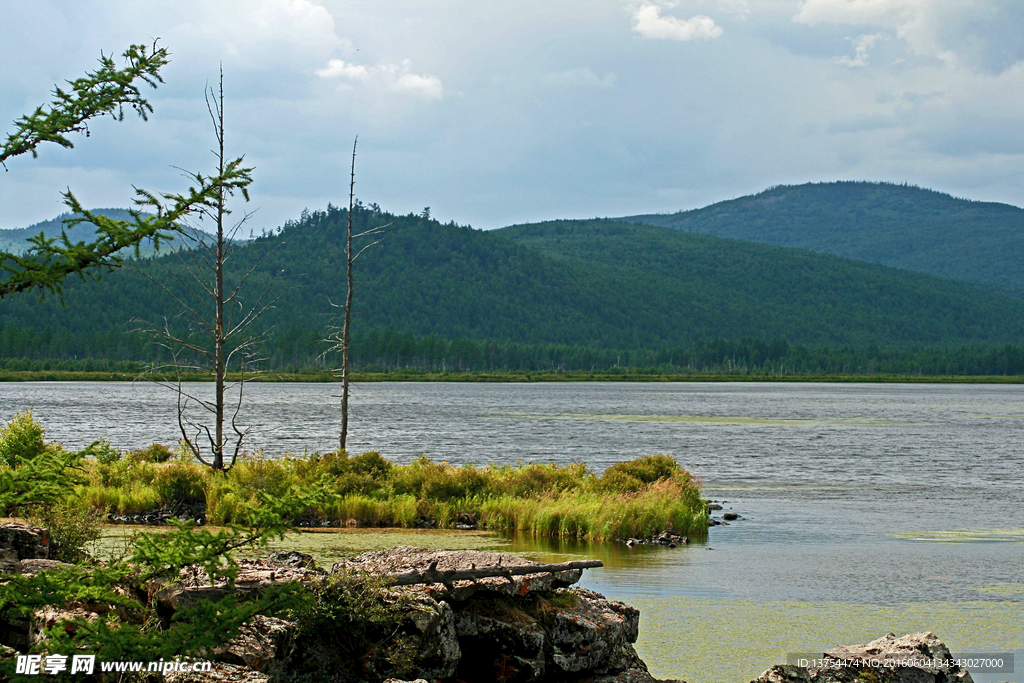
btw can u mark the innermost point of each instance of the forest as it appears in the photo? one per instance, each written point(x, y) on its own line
point(904, 226)
point(591, 295)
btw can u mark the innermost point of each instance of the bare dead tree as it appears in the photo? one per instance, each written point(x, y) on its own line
point(340, 338)
point(215, 317)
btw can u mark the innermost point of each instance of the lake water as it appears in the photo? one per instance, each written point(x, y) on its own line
point(867, 508)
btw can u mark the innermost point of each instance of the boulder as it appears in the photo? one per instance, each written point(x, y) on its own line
point(594, 636)
point(23, 542)
point(221, 673)
point(509, 649)
point(406, 558)
point(913, 658)
point(259, 645)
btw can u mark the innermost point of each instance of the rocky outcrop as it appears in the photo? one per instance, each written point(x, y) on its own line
point(525, 627)
point(22, 542)
point(914, 658)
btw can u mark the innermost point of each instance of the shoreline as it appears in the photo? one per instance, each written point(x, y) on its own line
point(12, 376)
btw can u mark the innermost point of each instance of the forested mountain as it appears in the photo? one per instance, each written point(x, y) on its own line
point(15, 240)
point(596, 284)
point(895, 225)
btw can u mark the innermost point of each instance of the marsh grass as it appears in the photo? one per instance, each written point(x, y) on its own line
point(634, 498)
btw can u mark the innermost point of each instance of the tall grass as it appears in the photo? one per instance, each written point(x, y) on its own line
point(633, 498)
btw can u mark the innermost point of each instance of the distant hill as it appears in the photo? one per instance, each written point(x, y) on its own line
point(588, 283)
point(894, 225)
point(15, 240)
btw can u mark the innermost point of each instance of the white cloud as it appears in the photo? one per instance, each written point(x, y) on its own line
point(649, 22)
point(581, 78)
point(260, 33)
point(398, 78)
point(861, 47)
point(956, 32)
point(740, 8)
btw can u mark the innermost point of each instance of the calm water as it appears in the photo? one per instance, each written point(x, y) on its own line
point(867, 508)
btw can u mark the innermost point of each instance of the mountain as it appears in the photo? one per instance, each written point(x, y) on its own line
point(894, 225)
point(15, 240)
point(589, 283)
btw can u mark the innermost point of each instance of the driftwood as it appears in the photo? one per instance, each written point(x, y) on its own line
point(432, 575)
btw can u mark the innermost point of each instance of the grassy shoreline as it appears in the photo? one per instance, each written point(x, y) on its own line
point(638, 497)
point(519, 377)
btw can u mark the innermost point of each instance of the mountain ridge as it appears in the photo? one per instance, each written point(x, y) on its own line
point(902, 226)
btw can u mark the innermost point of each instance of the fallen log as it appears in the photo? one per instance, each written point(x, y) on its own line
point(432, 575)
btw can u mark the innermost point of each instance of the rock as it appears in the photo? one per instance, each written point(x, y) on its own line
point(221, 673)
point(293, 558)
point(914, 658)
point(630, 676)
point(255, 576)
point(500, 649)
point(32, 567)
point(596, 635)
point(714, 506)
point(48, 617)
point(730, 516)
point(23, 542)
point(430, 633)
point(784, 673)
point(406, 558)
point(260, 644)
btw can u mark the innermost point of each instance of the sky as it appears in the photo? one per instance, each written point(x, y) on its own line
point(495, 112)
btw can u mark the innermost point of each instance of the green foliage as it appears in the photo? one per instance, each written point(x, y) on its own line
point(74, 527)
point(21, 440)
point(45, 480)
point(128, 626)
point(104, 453)
point(560, 296)
point(637, 497)
point(105, 91)
point(349, 629)
point(896, 225)
point(156, 452)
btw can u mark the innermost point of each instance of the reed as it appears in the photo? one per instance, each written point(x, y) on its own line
point(633, 498)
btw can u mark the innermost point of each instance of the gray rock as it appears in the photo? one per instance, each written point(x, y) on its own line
point(730, 516)
point(595, 636)
point(509, 649)
point(221, 673)
point(430, 631)
point(914, 658)
point(260, 644)
point(630, 676)
point(784, 673)
point(406, 558)
point(23, 542)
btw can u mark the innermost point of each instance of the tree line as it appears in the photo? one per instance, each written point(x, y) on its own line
point(299, 350)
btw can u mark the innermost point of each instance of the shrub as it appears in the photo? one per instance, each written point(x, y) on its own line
point(104, 453)
point(74, 526)
point(21, 440)
point(156, 452)
point(351, 629)
point(178, 481)
point(648, 469)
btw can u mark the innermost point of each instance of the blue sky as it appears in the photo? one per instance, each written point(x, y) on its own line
point(493, 113)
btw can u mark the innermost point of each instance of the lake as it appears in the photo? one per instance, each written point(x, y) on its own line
point(867, 508)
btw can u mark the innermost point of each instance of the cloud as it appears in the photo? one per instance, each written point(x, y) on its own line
point(861, 46)
point(581, 78)
point(979, 34)
point(740, 8)
point(649, 22)
point(398, 78)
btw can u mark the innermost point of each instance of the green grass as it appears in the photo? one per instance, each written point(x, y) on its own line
point(633, 498)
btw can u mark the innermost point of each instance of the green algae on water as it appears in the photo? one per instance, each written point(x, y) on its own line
point(717, 641)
